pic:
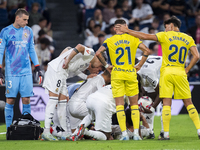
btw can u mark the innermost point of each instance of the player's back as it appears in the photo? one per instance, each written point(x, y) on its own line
point(122, 50)
point(89, 86)
point(175, 47)
point(150, 72)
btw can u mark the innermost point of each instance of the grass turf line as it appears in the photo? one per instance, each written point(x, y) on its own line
point(183, 135)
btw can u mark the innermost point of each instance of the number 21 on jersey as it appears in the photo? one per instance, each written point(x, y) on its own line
point(121, 51)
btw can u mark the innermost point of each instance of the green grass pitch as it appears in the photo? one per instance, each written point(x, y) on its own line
point(183, 135)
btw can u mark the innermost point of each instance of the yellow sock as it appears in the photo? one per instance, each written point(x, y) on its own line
point(135, 116)
point(194, 115)
point(121, 117)
point(166, 116)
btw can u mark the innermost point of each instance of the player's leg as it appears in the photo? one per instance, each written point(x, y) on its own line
point(118, 91)
point(12, 87)
point(8, 111)
point(62, 111)
point(26, 105)
point(193, 114)
point(166, 89)
point(26, 91)
point(182, 91)
point(166, 115)
point(49, 113)
point(132, 93)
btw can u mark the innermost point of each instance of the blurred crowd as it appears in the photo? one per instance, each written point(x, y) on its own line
point(95, 20)
point(39, 21)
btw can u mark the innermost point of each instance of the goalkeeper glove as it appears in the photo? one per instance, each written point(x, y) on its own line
point(40, 74)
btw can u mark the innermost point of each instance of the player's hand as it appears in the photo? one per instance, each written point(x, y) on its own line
point(122, 28)
point(91, 75)
point(137, 68)
point(65, 65)
point(110, 67)
point(40, 74)
point(146, 110)
point(186, 70)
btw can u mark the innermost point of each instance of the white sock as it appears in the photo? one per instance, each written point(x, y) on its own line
point(166, 134)
point(55, 118)
point(95, 134)
point(136, 131)
point(162, 129)
point(198, 131)
point(49, 112)
point(62, 113)
point(86, 121)
point(124, 133)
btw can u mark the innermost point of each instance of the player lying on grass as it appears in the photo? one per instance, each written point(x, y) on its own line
point(71, 62)
point(101, 107)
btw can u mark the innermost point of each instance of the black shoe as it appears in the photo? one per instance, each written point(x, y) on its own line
point(151, 136)
point(161, 136)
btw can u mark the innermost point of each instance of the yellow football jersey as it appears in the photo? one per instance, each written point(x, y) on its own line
point(175, 46)
point(122, 50)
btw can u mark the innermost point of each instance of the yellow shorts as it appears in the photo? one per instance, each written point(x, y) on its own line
point(124, 87)
point(174, 83)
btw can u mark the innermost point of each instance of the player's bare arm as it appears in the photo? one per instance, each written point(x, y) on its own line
point(78, 49)
point(195, 58)
point(137, 34)
point(66, 49)
point(99, 55)
point(146, 53)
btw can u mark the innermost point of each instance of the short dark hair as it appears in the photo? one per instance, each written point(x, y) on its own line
point(42, 19)
point(174, 20)
point(45, 41)
point(21, 11)
point(120, 21)
point(101, 35)
point(151, 46)
point(41, 32)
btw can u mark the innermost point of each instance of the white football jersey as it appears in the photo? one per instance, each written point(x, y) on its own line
point(88, 87)
point(105, 94)
point(150, 73)
point(78, 63)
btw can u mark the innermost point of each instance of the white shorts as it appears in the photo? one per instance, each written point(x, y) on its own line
point(55, 82)
point(77, 111)
point(99, 111)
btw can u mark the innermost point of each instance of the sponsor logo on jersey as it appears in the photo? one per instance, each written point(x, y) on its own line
point(124, 70)
point(20, 43)
point(13, 37)
point(0, 41)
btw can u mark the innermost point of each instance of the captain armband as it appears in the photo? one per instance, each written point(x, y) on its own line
point(76, 50)
point(145, 55)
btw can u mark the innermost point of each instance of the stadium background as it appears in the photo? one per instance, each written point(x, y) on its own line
point(68, 30)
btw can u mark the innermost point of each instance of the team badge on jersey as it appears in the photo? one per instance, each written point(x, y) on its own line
point(25, 35)
point(7, 91)
point(0, 41)
point(56, 90)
